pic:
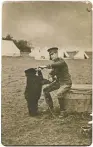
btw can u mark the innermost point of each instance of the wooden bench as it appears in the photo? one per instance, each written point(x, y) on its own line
point(79, 98)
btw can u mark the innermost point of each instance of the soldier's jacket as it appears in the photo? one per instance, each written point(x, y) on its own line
point(60, 70)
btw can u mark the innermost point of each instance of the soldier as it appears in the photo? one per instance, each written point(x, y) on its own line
point(33, 90)
point(61, 80)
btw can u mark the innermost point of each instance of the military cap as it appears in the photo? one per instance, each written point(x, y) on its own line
point(30, 71)
point(52, 50)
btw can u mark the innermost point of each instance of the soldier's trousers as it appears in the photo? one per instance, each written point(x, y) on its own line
point(62, 90)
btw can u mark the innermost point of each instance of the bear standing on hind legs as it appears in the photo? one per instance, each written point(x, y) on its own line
point(33, 90)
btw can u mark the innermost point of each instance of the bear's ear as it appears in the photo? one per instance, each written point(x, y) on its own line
point(26, 71)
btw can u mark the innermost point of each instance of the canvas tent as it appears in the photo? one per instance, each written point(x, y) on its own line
point(35, 53)
point(9, 48)
point(63, 54)
point(44, 54)
point(39, 54)
point(72, 54)
point(89, 53)
point(81, 55)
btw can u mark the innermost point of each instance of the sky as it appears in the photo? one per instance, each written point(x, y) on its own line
point(67, 25)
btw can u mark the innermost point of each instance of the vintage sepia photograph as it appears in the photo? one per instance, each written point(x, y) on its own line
point(46, 75)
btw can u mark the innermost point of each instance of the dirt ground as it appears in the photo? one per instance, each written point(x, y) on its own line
point(20, 129)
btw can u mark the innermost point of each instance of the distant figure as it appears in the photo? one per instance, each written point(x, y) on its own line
point(61, 80)
point(33, 90)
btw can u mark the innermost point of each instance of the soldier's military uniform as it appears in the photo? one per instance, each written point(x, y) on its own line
point(61, 81)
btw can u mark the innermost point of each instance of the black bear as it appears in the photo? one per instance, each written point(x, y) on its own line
point(33, 89)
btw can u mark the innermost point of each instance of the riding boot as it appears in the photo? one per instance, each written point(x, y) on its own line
point(62, 109)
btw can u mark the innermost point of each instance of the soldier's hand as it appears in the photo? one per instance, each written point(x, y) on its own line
point(49, 66)
point(39, 68)
point(42, 67)
point(50, 78)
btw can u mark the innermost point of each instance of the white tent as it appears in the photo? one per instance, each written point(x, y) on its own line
point(44, 54)
point(72, 54)
point(35, 53)
point(39, 54)
point(9, 48)
point(81, 55)
point(62, 53)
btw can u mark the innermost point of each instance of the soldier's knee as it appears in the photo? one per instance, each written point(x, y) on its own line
point(45, 90)
point(60, 97)
point(59, 94)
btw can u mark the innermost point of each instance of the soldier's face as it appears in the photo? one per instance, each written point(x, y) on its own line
point(53, 56)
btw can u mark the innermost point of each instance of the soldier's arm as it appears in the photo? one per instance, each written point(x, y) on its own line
point(56, 64)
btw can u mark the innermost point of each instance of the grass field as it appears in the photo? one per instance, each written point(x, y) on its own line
point(20, 129)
